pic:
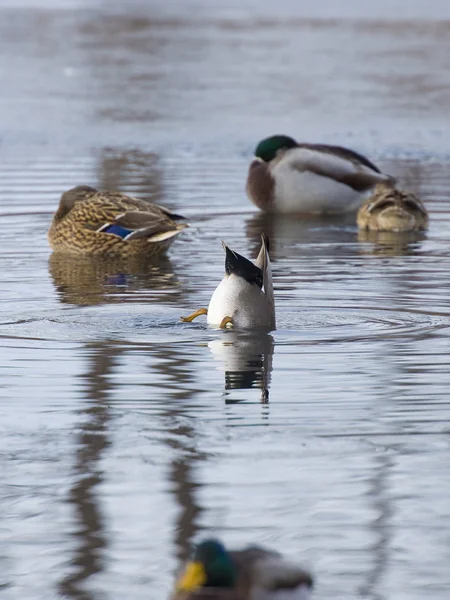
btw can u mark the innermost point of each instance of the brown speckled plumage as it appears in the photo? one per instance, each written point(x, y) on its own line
point(83, 210)
point(390, 209)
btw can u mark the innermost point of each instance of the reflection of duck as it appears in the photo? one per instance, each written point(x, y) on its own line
point(247, 360)
point(388, 243)
point(288, 177)
point(244, 297)
point(390, 209)
point(254, 573)
point(111, 224)
point(86, 280)
point(90, 535)
point(312, 232)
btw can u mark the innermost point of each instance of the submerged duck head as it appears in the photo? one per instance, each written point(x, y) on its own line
point(268, 148)
point(244, 298)
point(211, 566)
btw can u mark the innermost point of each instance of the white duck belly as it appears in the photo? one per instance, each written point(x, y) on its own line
point(245, 303)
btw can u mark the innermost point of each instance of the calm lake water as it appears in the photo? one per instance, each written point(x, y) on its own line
point(126, 435)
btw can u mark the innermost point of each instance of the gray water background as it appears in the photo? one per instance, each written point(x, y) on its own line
point(125, 435)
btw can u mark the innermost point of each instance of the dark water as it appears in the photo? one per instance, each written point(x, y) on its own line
point(126, 435)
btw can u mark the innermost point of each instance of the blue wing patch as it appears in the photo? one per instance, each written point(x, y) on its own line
point(122, 232)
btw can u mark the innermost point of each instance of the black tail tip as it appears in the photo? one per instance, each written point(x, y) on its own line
point(235, 264)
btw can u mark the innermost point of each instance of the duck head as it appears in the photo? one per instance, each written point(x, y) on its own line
point(211, 566)
point(270, 147)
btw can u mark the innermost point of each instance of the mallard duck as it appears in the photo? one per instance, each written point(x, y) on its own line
point(244, 298)
point(288, 177)
point(390, 209)
point(214, 573)
point(111, 224)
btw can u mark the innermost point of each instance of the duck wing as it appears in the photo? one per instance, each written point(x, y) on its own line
point(137, 224)
point(390, 196)
point(261, 569)
point(169, 213)
point(344, 153)
point(343, 165)
point(115, 203)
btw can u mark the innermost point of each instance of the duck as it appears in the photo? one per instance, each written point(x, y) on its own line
point(288, 177)
point(391, 209)
point(111, 224)
point(254, 573)
point(244, 298)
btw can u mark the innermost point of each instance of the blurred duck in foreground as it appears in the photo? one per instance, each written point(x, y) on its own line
point(111, 224)
point(288, 177)
point(244, 298)
point(390, 209)
point(250, 574)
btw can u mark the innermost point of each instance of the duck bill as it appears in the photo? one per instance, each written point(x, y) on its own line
point(194, 576)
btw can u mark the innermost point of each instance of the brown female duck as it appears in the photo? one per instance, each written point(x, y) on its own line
point(111, 224)
point(390, 209)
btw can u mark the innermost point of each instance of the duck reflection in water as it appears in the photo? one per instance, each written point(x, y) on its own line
point(314, 232)
point(389, 243)
point(88, 281)
point(246, 358)
point(317, 234)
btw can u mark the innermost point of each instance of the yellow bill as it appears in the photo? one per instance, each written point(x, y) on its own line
point(194, 576)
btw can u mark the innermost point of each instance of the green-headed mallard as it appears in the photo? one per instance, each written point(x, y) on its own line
point(111, 224)
point(244, 297)
point(390, 209)
point(288, 177)
point(214, 573)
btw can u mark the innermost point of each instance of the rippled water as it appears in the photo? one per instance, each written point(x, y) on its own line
point(127, 435)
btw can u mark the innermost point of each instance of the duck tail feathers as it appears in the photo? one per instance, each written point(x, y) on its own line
point(263, 262)
point(235, 264)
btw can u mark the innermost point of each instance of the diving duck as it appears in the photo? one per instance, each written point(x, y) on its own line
point(390, 209)
point(244, 298)
point(111, 224)
point(292, 178)
point(254, 573)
